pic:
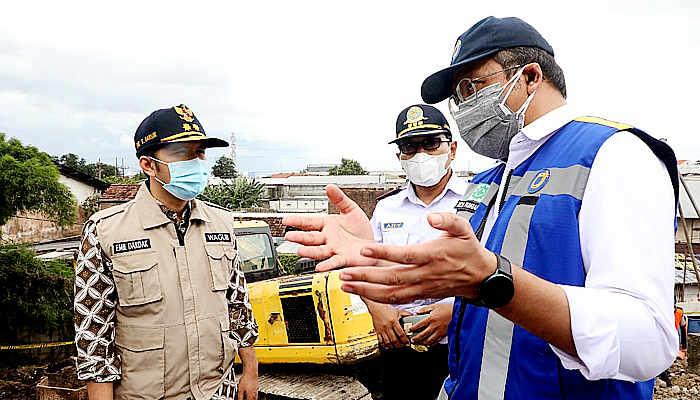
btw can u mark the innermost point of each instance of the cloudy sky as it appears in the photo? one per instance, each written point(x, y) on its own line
point(313, 82)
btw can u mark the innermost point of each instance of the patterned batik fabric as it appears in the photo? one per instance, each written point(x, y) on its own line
point(95, 305)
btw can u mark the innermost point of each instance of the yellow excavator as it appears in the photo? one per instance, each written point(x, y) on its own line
point(311, 332)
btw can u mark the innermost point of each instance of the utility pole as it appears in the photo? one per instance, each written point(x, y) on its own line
point(233, 148)
point(99, 169)
point(116, 167)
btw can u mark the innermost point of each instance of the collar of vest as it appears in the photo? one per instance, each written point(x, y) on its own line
point(152, 216)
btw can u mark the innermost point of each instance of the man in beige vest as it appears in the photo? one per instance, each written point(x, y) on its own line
point(161, 305)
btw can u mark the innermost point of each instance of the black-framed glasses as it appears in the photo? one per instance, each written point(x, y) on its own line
point(467, 86)
point(429, 143)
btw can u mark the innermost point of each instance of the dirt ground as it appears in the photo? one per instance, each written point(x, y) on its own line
point(19, 383)
point(677, 384)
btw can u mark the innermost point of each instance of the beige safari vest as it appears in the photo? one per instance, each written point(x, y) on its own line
point(172, 323)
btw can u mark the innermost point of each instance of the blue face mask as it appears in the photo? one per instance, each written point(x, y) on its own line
point(187, 178)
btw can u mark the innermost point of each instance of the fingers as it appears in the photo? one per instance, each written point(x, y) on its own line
point(312, 238)
point(402, 339)
point(305, 222)
point(383, 293)
point(451, 223)
point(421, 253)
point(395, 275)
point(315, 252)
point(337, 197)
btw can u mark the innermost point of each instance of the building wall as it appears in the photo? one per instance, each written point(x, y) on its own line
point(366, 198)
point(80, 190)
point(33, 227)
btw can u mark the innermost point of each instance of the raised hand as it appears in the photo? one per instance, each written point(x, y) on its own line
point(453, 264)
point(339, 236)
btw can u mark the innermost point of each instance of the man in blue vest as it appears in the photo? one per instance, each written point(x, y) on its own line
point(561, 255)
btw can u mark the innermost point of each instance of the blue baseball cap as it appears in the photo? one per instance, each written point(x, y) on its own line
point(487, 37)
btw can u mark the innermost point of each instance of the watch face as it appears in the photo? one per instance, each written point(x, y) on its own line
point(497, 290)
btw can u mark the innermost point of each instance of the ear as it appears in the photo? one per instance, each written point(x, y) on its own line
point(453, 149)
point(148, 166)
point(533, 77)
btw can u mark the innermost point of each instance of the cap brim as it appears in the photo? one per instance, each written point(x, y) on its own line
point(207, 141)
point(438, 86)
point(421, 133)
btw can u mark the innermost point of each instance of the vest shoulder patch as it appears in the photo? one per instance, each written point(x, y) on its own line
point(601, 121)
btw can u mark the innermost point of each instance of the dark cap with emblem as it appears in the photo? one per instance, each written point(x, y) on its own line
point(172, 125)
point(420, 120)
point(486, 38)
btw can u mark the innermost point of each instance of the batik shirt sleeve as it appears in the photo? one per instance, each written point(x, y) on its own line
point(94, 311)
point(244, 329)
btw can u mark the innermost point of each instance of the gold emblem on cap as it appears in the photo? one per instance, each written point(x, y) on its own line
point(184, 113)
point(458, 46)
point(414, 115)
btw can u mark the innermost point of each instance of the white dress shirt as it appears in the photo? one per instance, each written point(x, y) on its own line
point(622, 319)
point(401, 219)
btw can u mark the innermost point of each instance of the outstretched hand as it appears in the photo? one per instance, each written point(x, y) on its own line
point(338, 236)
point(453, 264)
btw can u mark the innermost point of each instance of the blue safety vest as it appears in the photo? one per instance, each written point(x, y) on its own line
point(537, 228)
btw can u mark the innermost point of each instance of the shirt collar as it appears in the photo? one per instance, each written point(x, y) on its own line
point(550, 122)
point(455, 184)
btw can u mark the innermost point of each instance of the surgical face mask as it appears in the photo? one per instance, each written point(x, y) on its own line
point(187, 178)
point(485, 121)
point(424, 169)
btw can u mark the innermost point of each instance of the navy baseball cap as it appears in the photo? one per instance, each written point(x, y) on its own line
point(420, 120)
point(487, 37)
point(172, 125)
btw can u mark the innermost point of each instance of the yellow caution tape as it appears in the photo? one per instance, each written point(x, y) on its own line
point(35, 346)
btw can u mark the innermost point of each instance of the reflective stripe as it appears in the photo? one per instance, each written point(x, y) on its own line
point(499, 331)
point(494, 362)
point(571, 181)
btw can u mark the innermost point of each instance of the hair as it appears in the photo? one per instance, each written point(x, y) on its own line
point(151, 152)
point(524, 55)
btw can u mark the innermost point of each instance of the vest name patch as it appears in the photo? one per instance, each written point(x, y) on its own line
point(131, 245)
point(218, 237)
point(393, 225)
point(467, 205)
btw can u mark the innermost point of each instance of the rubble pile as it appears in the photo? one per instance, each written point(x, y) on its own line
point(677, 384)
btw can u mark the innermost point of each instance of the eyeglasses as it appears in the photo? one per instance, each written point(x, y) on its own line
point(467, 86)
point(429, 143)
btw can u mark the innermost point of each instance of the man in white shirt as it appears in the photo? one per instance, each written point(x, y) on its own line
point(426, 151)
point(585, 308)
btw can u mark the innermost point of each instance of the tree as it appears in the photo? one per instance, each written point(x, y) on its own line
point(240, 194)
point(224, 167)
point(348, 167)
point(78, 163)
point(29, 182)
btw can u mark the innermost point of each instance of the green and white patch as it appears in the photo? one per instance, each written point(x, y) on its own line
point(479, 192)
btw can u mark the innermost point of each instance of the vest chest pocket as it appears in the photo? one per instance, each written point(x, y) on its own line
point(221, 264)
point(136, 278)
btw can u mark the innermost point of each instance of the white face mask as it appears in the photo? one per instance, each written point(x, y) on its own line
point(425, 170)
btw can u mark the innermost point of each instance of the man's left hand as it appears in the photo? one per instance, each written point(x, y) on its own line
point(434, 325)
point(248, 386)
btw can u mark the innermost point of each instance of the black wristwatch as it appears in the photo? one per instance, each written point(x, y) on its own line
point(497, 289)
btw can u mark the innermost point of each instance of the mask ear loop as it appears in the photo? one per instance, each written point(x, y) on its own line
point(155, 177)
point(512, 80)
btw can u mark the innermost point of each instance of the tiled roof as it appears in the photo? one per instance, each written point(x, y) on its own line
point(120, 193)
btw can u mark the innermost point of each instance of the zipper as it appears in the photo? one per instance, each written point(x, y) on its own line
point(505, 191)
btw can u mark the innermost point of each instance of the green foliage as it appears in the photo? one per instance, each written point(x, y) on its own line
point(78, 163)
point(29, 182)
point(33, 292)
point(90, 205)
point(242, 193)
point(348, 167)
point(120, 180)
point(288, 261)
point(224, 167)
